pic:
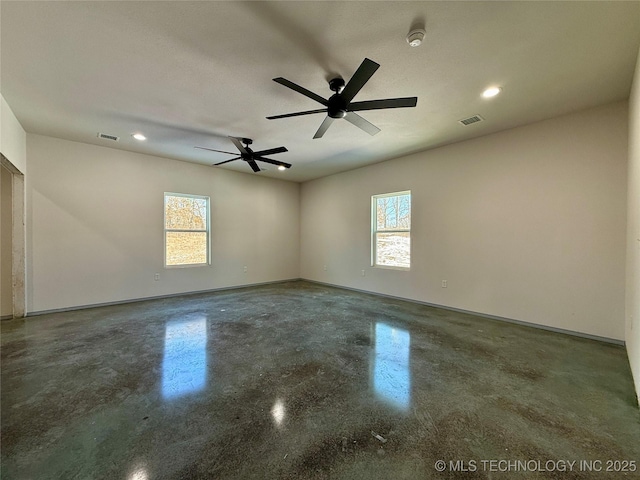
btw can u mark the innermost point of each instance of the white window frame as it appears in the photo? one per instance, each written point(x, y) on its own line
point(375, 231)
point(165, 229)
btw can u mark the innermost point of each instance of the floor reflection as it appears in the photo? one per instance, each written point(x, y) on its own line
point(184, 365)
point(278, 412)
point(391, 371)
point(139, 472)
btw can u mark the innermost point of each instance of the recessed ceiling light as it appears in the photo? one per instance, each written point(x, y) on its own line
point(281, 167)
point(491, 92)
point(139, 136)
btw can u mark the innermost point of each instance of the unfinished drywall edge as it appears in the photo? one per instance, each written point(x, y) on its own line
point(18, 246)
point(18, 239)
point(158, 297)
point(483, 315)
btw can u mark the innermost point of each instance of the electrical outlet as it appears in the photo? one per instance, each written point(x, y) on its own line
point(363, 273)
point(324, 268)
point(245, 269)
point(156, 277)
point(444, 284)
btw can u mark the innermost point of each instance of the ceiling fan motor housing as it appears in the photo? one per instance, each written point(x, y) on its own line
point(337, 106)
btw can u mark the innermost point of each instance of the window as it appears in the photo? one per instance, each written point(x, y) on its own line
point(391, 225)
point(186, 230)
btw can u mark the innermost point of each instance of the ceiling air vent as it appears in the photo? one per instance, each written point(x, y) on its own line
point(470, 120)
point(108, 137)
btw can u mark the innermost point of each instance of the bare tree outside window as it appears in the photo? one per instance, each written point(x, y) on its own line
point(392, 230)
point(186, 227)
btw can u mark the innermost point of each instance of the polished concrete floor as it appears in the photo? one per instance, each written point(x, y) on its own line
point(303, 381)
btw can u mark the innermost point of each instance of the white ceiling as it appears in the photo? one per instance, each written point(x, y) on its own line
point(189, 74)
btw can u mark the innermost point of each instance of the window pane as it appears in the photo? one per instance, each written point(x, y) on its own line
point(185, 213)
point(186, 248)
point(393, 249)
point(393, 213)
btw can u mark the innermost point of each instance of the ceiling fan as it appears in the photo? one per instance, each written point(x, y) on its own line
point(250, 156)
point(339, 105)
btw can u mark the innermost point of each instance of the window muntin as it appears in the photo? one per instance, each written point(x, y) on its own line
point(186, 230)
point(391, 226)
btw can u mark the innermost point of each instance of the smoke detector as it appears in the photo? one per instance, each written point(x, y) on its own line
point(416, 37)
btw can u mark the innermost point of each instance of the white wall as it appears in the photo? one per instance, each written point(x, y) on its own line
point(633, 233)
point(12, 137)
point(527, 224)
point(95, 225)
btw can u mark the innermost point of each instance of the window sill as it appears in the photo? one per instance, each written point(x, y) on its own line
point(188, 265)
point(391, 267)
